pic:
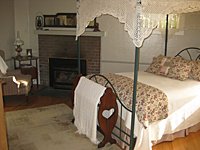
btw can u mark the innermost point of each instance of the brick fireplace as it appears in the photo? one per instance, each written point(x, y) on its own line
point(65, 47)
point(62, 71)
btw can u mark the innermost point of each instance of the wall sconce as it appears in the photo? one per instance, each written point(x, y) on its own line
point(18, 43)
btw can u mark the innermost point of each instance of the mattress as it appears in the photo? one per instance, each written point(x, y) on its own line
point(183, 105)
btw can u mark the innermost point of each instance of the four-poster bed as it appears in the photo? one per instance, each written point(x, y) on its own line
point(131, 13)
point(163, 129)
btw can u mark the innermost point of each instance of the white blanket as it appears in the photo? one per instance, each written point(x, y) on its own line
point(86, 97)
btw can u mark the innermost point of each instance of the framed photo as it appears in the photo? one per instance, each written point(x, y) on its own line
point(71, 20)
point(60, 19)
point(49, 20)
point(29, 52)
point(65, 19)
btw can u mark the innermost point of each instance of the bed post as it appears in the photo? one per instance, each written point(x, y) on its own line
point(166, 34)
point(136, 66)
point(79, 55)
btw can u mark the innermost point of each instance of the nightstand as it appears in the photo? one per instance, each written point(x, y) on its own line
point(28, 65)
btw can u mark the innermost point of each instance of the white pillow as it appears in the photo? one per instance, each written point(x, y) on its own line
point(3, 66)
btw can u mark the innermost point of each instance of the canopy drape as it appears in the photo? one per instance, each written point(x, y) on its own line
point(134, 15)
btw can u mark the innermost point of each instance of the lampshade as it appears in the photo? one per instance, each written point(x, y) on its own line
point(18, 41)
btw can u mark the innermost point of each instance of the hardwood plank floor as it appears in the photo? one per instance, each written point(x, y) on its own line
point(191, 142)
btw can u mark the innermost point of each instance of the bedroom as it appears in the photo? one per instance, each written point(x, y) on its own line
point(117, 60)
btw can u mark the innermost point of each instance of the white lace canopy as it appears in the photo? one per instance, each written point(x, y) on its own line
point(132, 13)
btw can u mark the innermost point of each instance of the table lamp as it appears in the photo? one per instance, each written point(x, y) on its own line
point(18, 42)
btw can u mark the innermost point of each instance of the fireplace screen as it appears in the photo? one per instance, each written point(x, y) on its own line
point(62, 77)
point(62, 72)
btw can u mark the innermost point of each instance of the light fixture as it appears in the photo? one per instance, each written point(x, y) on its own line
point(18, 43)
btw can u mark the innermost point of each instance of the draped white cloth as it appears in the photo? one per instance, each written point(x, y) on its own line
point(134, 15)
point(85, 107)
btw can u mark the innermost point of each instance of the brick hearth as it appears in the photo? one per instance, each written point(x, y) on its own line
point(63, 46)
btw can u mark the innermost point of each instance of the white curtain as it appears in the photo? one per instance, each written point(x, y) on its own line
point(135, 16)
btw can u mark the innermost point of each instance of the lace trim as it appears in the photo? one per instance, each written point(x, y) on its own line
point(132, 15)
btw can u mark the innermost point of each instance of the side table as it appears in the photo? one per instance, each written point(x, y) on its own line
point(28, 65)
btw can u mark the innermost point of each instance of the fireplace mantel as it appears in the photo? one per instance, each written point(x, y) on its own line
point(71, 32)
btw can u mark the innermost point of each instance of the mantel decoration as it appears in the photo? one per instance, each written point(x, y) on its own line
point(39, 22)
point(18, 43)
point(67, 20)
point(29, 52)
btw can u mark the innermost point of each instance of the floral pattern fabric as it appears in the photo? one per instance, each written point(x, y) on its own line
point(195, 71)
point(180, 68)
point(172, 67)
point(156, 64)
point(151, 103)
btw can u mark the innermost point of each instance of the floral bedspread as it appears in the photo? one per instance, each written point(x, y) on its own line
point(151, 103)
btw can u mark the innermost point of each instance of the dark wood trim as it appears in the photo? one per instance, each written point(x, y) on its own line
point(107, 102)
point(3, 133)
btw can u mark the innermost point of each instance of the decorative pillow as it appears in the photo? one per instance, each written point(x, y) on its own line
point(180, 68)
point(173, 67)
point(155, 65)
point(165, 66)
point(195, 71)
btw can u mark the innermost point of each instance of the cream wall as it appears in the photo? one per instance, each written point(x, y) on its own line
point(117, 50)
point(38, 7)
point(7, 28)
point(27, 10)
point(22, 23)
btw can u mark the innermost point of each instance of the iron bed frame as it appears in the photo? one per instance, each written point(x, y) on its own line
point(110, 123)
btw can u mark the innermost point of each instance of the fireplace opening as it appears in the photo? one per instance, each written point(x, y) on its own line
point(62, 72)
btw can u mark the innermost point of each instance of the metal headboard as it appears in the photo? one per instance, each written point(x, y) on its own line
point(188, 51)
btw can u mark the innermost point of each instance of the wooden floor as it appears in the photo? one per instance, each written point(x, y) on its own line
point(191, 142)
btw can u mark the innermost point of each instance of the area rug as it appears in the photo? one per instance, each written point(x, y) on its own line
point(47, 128)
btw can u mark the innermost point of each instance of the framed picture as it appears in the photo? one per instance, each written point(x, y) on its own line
point(29, 52)
point(49, 20)
point(60, 19)
point(71, 20)
point(65, 19)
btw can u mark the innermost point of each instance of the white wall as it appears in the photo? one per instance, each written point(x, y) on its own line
point(46, 7)
point(22, 24)
point(7, 28)
point(117, 49)
point(27, 10)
